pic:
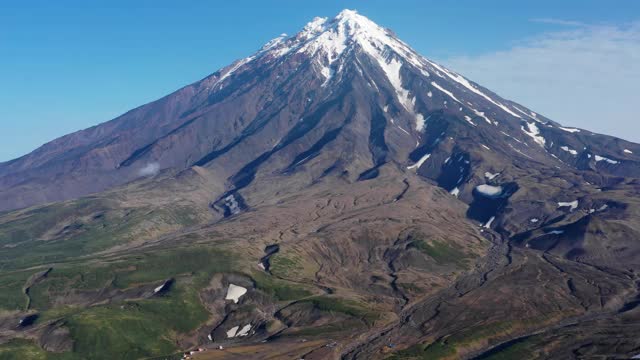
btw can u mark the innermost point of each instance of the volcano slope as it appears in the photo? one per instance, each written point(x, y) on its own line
point(334, 195)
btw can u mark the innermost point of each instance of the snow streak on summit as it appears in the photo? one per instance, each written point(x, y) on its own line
point(329, 43)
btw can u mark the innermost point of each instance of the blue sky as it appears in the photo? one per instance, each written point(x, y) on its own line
point(68, 65)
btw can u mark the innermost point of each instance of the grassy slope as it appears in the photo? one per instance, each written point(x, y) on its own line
point(64, 231)
point(67, 237)
point(442, 252)
point(131, 329)
point(125, 329)
point(12, 296)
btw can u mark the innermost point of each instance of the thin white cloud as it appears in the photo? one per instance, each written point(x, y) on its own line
point(150, 169)
point(586, 77)
point(562, 22)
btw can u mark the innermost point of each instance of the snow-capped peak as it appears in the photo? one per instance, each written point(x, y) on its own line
point(348, 15)
point(347, 21)
point(313, 28)
point(326, 43)
point(328, 38)
point(273, 43)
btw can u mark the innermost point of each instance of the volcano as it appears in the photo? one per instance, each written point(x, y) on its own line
point(355, 190)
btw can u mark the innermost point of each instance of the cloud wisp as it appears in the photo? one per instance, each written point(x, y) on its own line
point(562, 22)
point(586, 77)
point(151, 169)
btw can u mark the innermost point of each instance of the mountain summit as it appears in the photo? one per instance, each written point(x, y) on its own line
point(333, 185)
point(341, 81)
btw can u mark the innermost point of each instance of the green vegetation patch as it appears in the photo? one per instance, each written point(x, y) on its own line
point(348, 307)
point(283, 266)
point(119, 333)
point(514, 350)
point(478, 333)
point(67, 235)
point(134, 329)
point(84, 235)
point(180, 309)
point(137, 329)
point(63, 231)
point(279, 289)
point(19, 349)
point(31, 224)
point(442, 252)
point(12, 295)
point(199, 263)
point(348, 326)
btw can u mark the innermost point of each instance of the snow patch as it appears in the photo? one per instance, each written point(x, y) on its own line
point(520, 152)
point(273, 43)
point(489, 190)
point(509, 136)
point(419, 122)
point(232, 69)
point(533, 131)
point(602, 158)
point(447, 92)
point(419, 163)
point(490, 176)
point(327, 43)
point(529, 115)
point(232, 332)
point(464, 82)
point(392, 70)
point(468, 119)
point(231, 203)
point(488, 224)
point(571, 130)
point(403, 130)
point(572, 205)
point(244, 331)
point(235, 292)
point(159, 288)
point(569, 150)
point(481, 114)
point(627, 151)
